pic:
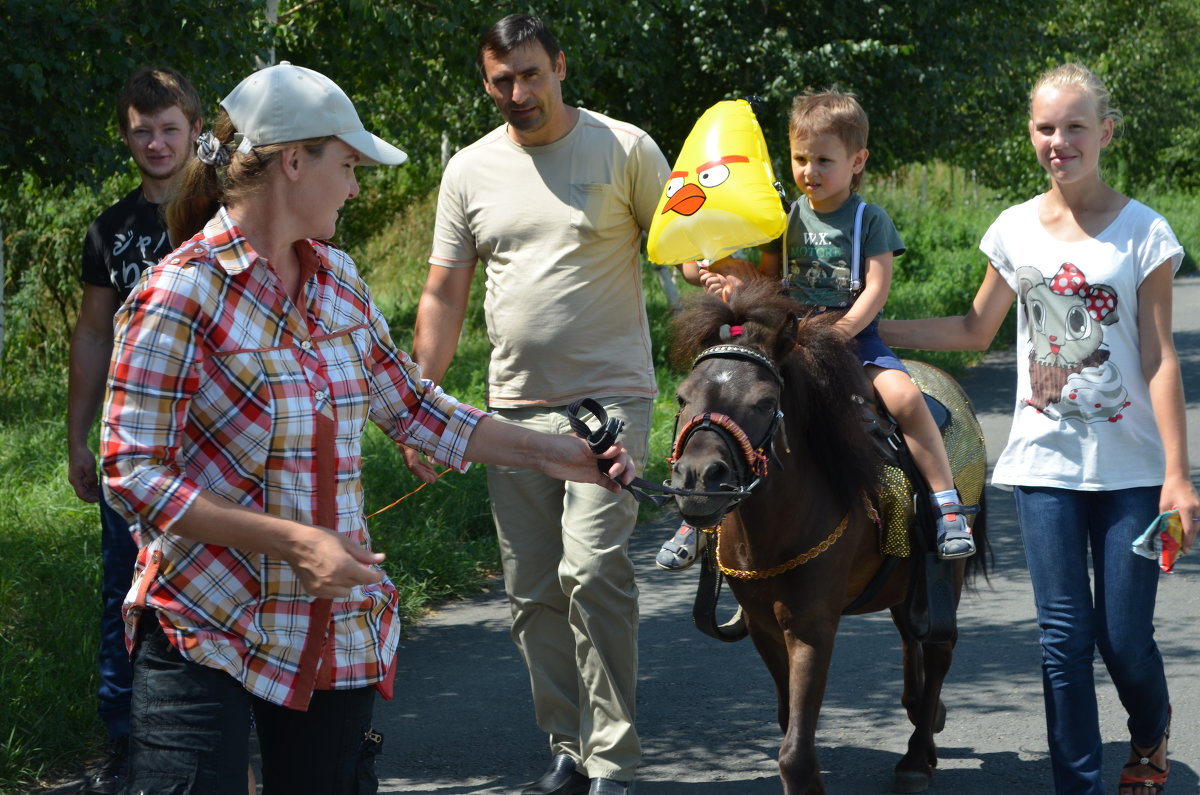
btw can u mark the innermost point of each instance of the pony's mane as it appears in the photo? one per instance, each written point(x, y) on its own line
point(820, 367)
point(821, 376)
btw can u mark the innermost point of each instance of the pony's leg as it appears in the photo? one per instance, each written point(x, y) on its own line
point(810, 650)
point(925, 668)
point(768, 640)
point(914, 669)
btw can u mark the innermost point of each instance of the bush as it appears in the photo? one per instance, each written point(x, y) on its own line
point(43, 230)
point(941, 216)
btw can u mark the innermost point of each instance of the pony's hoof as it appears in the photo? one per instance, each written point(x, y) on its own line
point(907, 781)
point(939, 718)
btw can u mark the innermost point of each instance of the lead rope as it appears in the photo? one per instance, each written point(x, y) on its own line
point(406, 496)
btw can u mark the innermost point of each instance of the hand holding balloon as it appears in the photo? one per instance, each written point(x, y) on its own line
point(721, 278)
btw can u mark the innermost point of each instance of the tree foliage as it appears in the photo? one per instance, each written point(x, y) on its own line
point(941, 80)
point(65, 61)
point(1146, 53)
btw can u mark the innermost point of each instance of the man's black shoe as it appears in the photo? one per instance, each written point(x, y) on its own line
point(110, 776)
point(560, 779)
point(609, 786)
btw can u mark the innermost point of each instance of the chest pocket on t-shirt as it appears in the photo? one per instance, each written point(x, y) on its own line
point(592, 207)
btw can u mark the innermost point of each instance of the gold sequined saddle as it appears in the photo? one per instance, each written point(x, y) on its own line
point(961, 433)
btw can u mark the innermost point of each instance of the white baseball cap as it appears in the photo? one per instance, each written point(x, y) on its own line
point(290, 103)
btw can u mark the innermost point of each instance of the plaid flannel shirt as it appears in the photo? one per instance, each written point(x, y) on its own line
point(219, 383)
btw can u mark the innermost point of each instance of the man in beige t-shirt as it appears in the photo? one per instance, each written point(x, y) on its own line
point(554, 203)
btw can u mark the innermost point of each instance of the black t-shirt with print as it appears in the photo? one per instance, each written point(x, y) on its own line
point(123, 241)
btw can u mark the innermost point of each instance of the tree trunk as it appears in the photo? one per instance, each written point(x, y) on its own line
point(666, 277)
point(271, 13)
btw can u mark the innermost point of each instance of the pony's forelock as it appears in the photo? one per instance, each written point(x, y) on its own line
point(757, 307)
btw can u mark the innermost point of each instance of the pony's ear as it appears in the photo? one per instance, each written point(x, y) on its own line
point(785, 341)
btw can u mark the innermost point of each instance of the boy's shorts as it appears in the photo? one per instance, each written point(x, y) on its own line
point(873, 350)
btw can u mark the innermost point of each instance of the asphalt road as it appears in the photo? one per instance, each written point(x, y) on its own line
point(462, 720)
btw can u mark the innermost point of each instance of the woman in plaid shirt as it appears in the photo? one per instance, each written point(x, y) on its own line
point(245, 367)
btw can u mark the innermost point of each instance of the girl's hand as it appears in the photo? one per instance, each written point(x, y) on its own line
point(1181, 494)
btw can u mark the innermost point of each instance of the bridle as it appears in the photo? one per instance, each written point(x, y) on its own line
point(752, 459)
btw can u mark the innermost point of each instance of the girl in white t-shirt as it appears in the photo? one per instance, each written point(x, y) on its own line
point(1098, 445)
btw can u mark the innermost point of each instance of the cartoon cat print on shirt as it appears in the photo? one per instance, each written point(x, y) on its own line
point(1070, 374)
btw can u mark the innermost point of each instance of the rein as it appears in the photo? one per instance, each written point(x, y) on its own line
point(754, 457)
point(603, 438)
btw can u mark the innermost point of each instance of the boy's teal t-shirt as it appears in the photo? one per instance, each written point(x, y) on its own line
point(816, 270)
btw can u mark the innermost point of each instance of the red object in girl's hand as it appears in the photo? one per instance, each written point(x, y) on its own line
point(1162, 540)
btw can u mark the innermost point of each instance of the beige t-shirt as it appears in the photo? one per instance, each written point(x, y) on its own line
point(558, 229)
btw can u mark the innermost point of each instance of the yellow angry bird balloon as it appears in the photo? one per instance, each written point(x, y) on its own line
point(721, 195)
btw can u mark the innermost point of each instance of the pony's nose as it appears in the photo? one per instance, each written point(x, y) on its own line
point(716, 473)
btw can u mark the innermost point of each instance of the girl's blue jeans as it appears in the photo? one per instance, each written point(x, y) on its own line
point(1112, 612)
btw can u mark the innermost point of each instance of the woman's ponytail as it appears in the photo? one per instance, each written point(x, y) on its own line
point(200, 192)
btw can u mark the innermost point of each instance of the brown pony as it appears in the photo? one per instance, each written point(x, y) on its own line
point(802, 544)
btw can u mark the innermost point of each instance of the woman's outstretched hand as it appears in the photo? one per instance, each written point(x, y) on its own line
point(568, 457)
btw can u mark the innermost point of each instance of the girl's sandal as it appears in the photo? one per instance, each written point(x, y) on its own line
point(1146, 785)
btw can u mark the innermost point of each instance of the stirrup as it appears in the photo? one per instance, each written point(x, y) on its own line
point(954, 538)
point(680, 551)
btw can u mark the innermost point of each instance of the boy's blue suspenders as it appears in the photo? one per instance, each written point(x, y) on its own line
point(856, 258)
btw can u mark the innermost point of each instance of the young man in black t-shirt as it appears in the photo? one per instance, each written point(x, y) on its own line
point(159, 117)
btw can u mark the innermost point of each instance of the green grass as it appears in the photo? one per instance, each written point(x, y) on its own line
point(941, 217)
point(49, 597)
point(440, 541)
point(1180, 210)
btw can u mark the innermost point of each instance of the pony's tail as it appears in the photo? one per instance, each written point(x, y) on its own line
point(982, 561)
